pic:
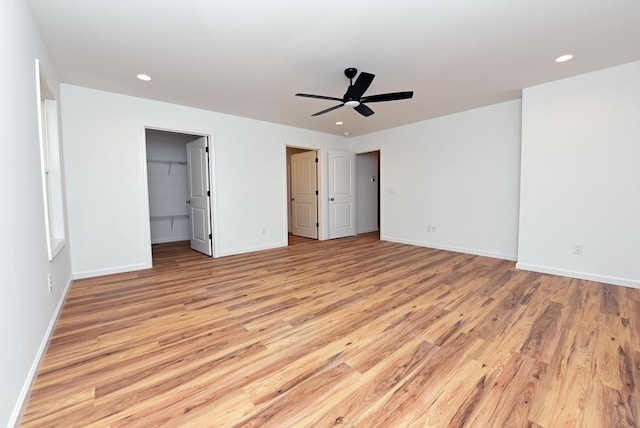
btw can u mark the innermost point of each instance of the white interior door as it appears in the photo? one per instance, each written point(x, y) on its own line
point(304, 194)
point(199, 195)
point(342, 194)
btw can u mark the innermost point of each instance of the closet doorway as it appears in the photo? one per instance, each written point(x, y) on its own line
point(368, 192)
point(178, 180)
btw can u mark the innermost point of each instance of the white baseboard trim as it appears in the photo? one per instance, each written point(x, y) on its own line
point(625, 282)
point(360, 232)
point(33, 371)
point(173, 239)
point(475, 252)
point(110, 271)
point(249, 250)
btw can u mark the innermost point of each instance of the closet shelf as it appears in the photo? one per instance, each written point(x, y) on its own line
point(168, 162)
point(169, 216)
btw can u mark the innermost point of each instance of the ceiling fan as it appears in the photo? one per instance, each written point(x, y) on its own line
point(354, 95)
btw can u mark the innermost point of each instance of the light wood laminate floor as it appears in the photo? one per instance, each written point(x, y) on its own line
point(349, 332)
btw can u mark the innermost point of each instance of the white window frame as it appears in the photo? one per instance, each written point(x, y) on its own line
point(50, 164)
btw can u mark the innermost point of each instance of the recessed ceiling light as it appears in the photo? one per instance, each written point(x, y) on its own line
point(339, 123)
point(144, 77)
point(564, 58)
point(346, 133)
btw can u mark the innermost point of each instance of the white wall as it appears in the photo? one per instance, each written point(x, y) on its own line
point(27, 309)
point(106, 177)
point(367, 192)
point(457, 173)
point(581, 176)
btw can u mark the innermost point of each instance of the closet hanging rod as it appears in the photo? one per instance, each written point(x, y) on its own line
point(169, 162)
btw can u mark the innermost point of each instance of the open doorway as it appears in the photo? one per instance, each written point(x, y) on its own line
point(368, 192)
point(302, 192)
point(179, 189)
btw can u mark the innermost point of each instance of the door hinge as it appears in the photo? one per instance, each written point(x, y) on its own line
point(210, 236)
point(206, 149)
point(316, 160)
point(208, 192)
point(317, 224)
point(316, 192)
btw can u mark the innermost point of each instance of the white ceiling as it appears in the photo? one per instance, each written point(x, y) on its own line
point(249, 57)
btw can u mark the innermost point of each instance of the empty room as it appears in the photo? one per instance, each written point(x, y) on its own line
point(294, 214)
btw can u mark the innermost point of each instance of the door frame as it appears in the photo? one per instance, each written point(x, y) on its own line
point(360, 189)
point(212, 184)
point(322, 197)
point(381, 177)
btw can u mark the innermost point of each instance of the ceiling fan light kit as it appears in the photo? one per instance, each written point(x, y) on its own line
point(354, 97)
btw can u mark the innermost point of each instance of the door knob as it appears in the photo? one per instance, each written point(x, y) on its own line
point(188, 201)
point(331, 199)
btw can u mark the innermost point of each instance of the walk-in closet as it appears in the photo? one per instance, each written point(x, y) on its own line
point(168, 187)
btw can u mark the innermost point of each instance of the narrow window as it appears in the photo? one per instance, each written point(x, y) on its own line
point(50, 164)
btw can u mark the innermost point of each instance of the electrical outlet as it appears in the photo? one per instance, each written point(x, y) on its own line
point(50, 283)
point(578, 248)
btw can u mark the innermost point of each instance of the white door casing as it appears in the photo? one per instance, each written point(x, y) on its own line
point(367, 192)
point(304, 194)
point(342, 194)
point(199, 195)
